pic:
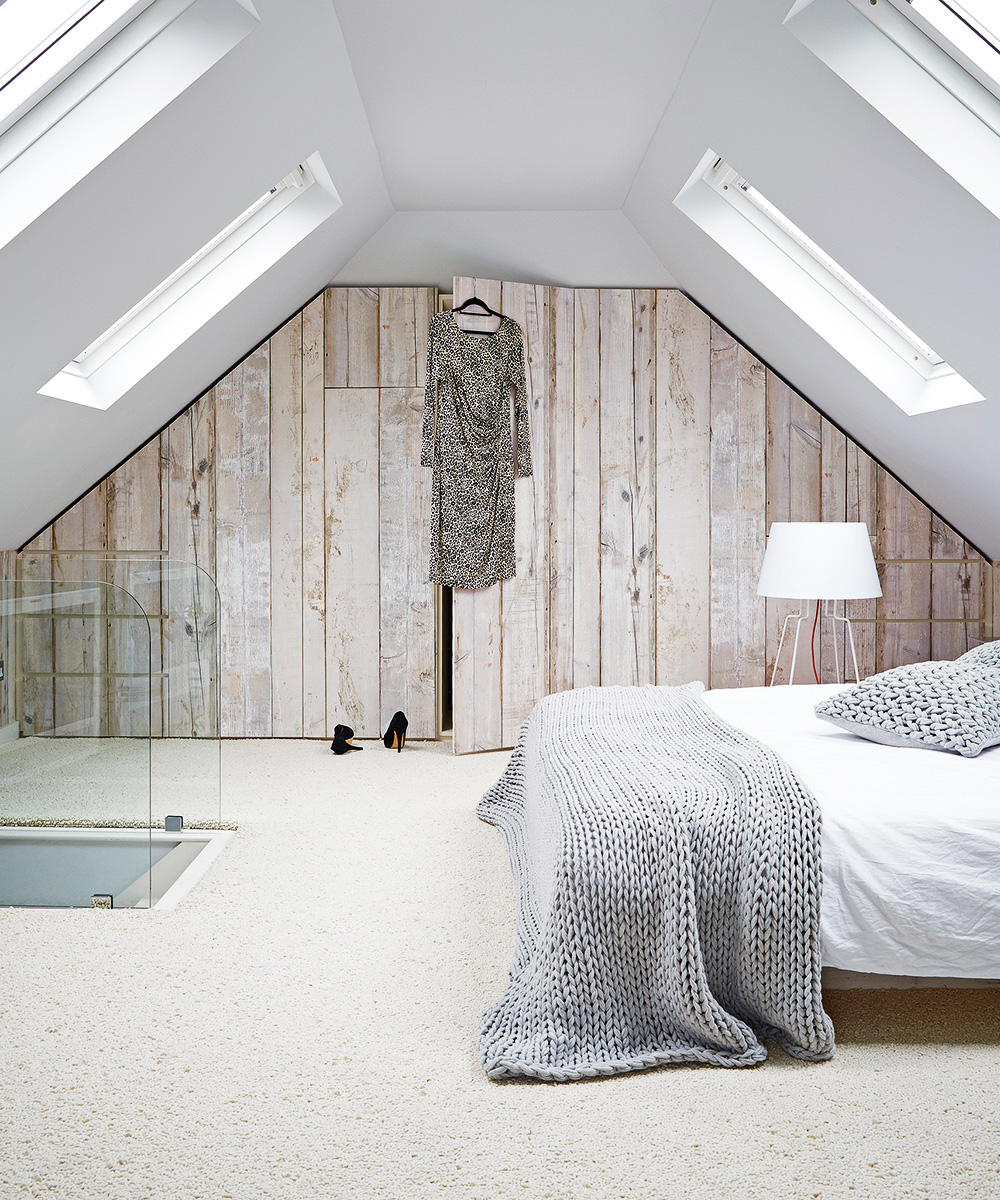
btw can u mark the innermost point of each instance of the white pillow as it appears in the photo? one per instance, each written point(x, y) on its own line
point(986, 655)
point(937, 705)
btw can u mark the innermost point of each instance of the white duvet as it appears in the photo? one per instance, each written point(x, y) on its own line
point(911, 839)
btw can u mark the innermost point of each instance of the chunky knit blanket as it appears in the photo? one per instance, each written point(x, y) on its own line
point(668, 877)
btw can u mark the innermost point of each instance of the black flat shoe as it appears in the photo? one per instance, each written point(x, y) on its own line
point(395, 735)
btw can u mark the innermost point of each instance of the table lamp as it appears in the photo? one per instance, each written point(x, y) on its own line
point(823, 561)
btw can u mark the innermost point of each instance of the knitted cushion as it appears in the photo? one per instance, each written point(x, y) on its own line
point(940, 705)
point(986, 655)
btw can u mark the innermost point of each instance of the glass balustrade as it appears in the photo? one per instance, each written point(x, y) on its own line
point(111, 694)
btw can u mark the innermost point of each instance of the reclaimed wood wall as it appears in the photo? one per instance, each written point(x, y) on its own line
point(8, 570)
point(663, 449)
point(294, 483)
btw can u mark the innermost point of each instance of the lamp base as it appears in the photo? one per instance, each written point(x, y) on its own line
point(828, 614)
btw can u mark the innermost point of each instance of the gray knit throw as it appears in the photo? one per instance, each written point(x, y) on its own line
point(668, 876)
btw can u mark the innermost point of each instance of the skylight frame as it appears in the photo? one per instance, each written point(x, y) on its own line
point(66, 51)
point(964, 39)
point(41, 41)
point(199, 290)
point(896, 61)
point(847, 290)
point(796, 278)
point(179, 282)
point(59, 132)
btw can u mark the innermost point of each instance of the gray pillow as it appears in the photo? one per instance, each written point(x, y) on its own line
point(986, 655)
point(938, 705)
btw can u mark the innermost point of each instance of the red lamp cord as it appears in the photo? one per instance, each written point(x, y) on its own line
point(812, 643)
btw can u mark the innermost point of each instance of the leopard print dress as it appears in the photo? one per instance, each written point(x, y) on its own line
point(467, 440)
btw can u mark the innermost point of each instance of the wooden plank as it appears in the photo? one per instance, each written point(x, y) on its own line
point(525, 662)
point(995, 601)
point(8, 589)
point(626, 382)
point(862, 505)
point(477, 654)
point(81, 691)
point(587, 496)
point(644, 496)
point(335, 355)
point(426, 307)
point(352, 523)
point(739, 436)
point(135, 529)
point(904, 532)
point(407, 670)
point(561, 492)
point(191, 629)
point(793, 483)
point(683, 512)
point(313, 525)
point(833, 507)
point(619, 611)
point(285, 467)
point(243, 546)
point(35, 640)
point(404, 316)
point(362, 337)
point(957, 593)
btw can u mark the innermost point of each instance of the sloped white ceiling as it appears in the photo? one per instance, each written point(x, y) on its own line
point(572, 249)
point(285, 91)
point(861, 190)
point(515, 104)
point(541, 141)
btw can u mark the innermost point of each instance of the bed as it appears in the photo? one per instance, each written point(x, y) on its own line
point(653, 929)
point(911, 839)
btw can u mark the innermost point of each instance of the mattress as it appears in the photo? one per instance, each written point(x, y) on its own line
point(911, 839)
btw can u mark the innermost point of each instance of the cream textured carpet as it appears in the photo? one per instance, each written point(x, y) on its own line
point(304, 1027)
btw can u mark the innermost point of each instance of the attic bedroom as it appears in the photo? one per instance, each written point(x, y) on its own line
point(499, 625)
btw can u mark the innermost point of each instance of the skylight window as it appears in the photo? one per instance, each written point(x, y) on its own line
point(30, 27)
point(198, 289)
point(819, 290)
point(968, 33)
point(186, 275)
point(43, 41)
point(78, 79)
point(788, 237)
point(981, 17)
point(930, 67)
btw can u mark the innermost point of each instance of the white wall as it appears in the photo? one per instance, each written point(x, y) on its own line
point(572, 249)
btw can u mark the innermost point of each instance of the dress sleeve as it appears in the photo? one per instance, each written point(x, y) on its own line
point(521, 427)
point(430, 401)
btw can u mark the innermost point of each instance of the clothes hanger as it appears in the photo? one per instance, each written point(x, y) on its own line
point(487, 311)
point(490, 312)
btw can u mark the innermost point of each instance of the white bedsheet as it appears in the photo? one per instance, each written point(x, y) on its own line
point(911, 839)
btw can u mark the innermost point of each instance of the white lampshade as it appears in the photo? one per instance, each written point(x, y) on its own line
point(819, 560)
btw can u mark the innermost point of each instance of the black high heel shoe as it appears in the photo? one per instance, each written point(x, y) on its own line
point(342, 735)
point(395, 735)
